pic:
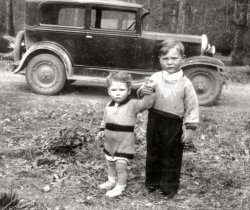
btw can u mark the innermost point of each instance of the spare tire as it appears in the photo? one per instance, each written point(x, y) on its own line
point(19, 47)
point(207, 83)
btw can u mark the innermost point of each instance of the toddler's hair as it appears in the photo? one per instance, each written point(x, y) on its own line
point(119, 77)
point(170, 44)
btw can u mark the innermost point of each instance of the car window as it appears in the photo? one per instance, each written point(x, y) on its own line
point(113, 19)
point(62, 15)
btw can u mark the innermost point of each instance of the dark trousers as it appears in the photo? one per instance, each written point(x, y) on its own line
point(164, 152)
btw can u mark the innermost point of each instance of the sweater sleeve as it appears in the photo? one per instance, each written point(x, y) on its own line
point(145, 103)
point(191, 106)
point(139, 91)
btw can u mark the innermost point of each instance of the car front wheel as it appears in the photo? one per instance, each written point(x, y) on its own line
point(207, 84)
point(45, 74)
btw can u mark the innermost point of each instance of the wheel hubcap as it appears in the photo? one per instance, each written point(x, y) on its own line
point(203, 85)
point(44, 74)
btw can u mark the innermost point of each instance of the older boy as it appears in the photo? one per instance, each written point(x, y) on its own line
point(175, 104)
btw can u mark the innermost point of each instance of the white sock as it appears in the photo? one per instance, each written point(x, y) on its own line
point(120, 187)
point(112, 179)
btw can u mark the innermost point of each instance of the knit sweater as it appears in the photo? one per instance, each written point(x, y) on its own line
point(118, 123)
point(176, 99)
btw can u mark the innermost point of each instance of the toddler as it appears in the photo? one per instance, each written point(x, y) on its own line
point(118, 128)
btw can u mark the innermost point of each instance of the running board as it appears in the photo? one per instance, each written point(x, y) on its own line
point(99, 81)
point(88, 79)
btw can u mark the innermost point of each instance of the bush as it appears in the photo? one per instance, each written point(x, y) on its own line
point(9, 201)
point(69, 141)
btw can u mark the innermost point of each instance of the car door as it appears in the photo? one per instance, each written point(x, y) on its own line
point(112, 41)
point(63, 24)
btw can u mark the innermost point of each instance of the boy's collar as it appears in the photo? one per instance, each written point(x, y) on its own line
point(172, 77)
point(112, 103)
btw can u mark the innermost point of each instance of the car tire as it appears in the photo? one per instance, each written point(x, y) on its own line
point(207, 83)
point(18, 48)
point(45, 74)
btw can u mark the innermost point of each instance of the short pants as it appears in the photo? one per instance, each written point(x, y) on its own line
point(110, 158)
point(119, 156)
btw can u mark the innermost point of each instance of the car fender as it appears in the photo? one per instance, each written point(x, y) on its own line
point(46, 46)
point(203, 61)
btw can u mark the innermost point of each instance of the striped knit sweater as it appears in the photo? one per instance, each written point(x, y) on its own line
point(176, 99)
point(118, 123)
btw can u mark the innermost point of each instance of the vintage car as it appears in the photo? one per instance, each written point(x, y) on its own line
point(68, 40)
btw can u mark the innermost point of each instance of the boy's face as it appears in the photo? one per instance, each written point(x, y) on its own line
point(118, 91)
point(172, 61)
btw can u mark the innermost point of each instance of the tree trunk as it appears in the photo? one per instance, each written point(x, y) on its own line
point(9, 17)
point(240, 19)
point(181, 23)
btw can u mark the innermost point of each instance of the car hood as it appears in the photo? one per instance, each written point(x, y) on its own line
point(179, 37)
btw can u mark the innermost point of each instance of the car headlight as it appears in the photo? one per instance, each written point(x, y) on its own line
point(206, 48)
point(204, 43)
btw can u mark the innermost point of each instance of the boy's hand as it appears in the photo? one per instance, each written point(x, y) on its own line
point(100, 135)
point(148, 87)
point(146, 91)
point(187, 136)
point(100, 139)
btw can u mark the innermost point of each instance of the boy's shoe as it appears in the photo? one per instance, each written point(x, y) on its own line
point(116, 191)
point(169, 195)
point(107, 185)
point(189, 148)
point(152, 188)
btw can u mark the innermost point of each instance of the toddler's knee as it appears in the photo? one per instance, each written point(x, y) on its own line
point(111, 164)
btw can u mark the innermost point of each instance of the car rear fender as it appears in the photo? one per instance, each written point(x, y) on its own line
point(212, 62)
point(46, 47)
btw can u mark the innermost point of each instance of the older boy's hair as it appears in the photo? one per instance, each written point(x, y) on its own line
point(170, 44)
point(119, 77)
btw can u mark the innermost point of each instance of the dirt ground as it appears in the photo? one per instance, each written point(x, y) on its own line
point(215, 173)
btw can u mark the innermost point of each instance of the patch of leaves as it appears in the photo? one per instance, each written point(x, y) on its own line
point(69, 141)
point(217, 173)
point(61, 163)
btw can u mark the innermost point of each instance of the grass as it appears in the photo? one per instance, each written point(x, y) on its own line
point(215, 176)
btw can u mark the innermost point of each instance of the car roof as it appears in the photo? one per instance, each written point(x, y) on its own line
point(105, 2)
